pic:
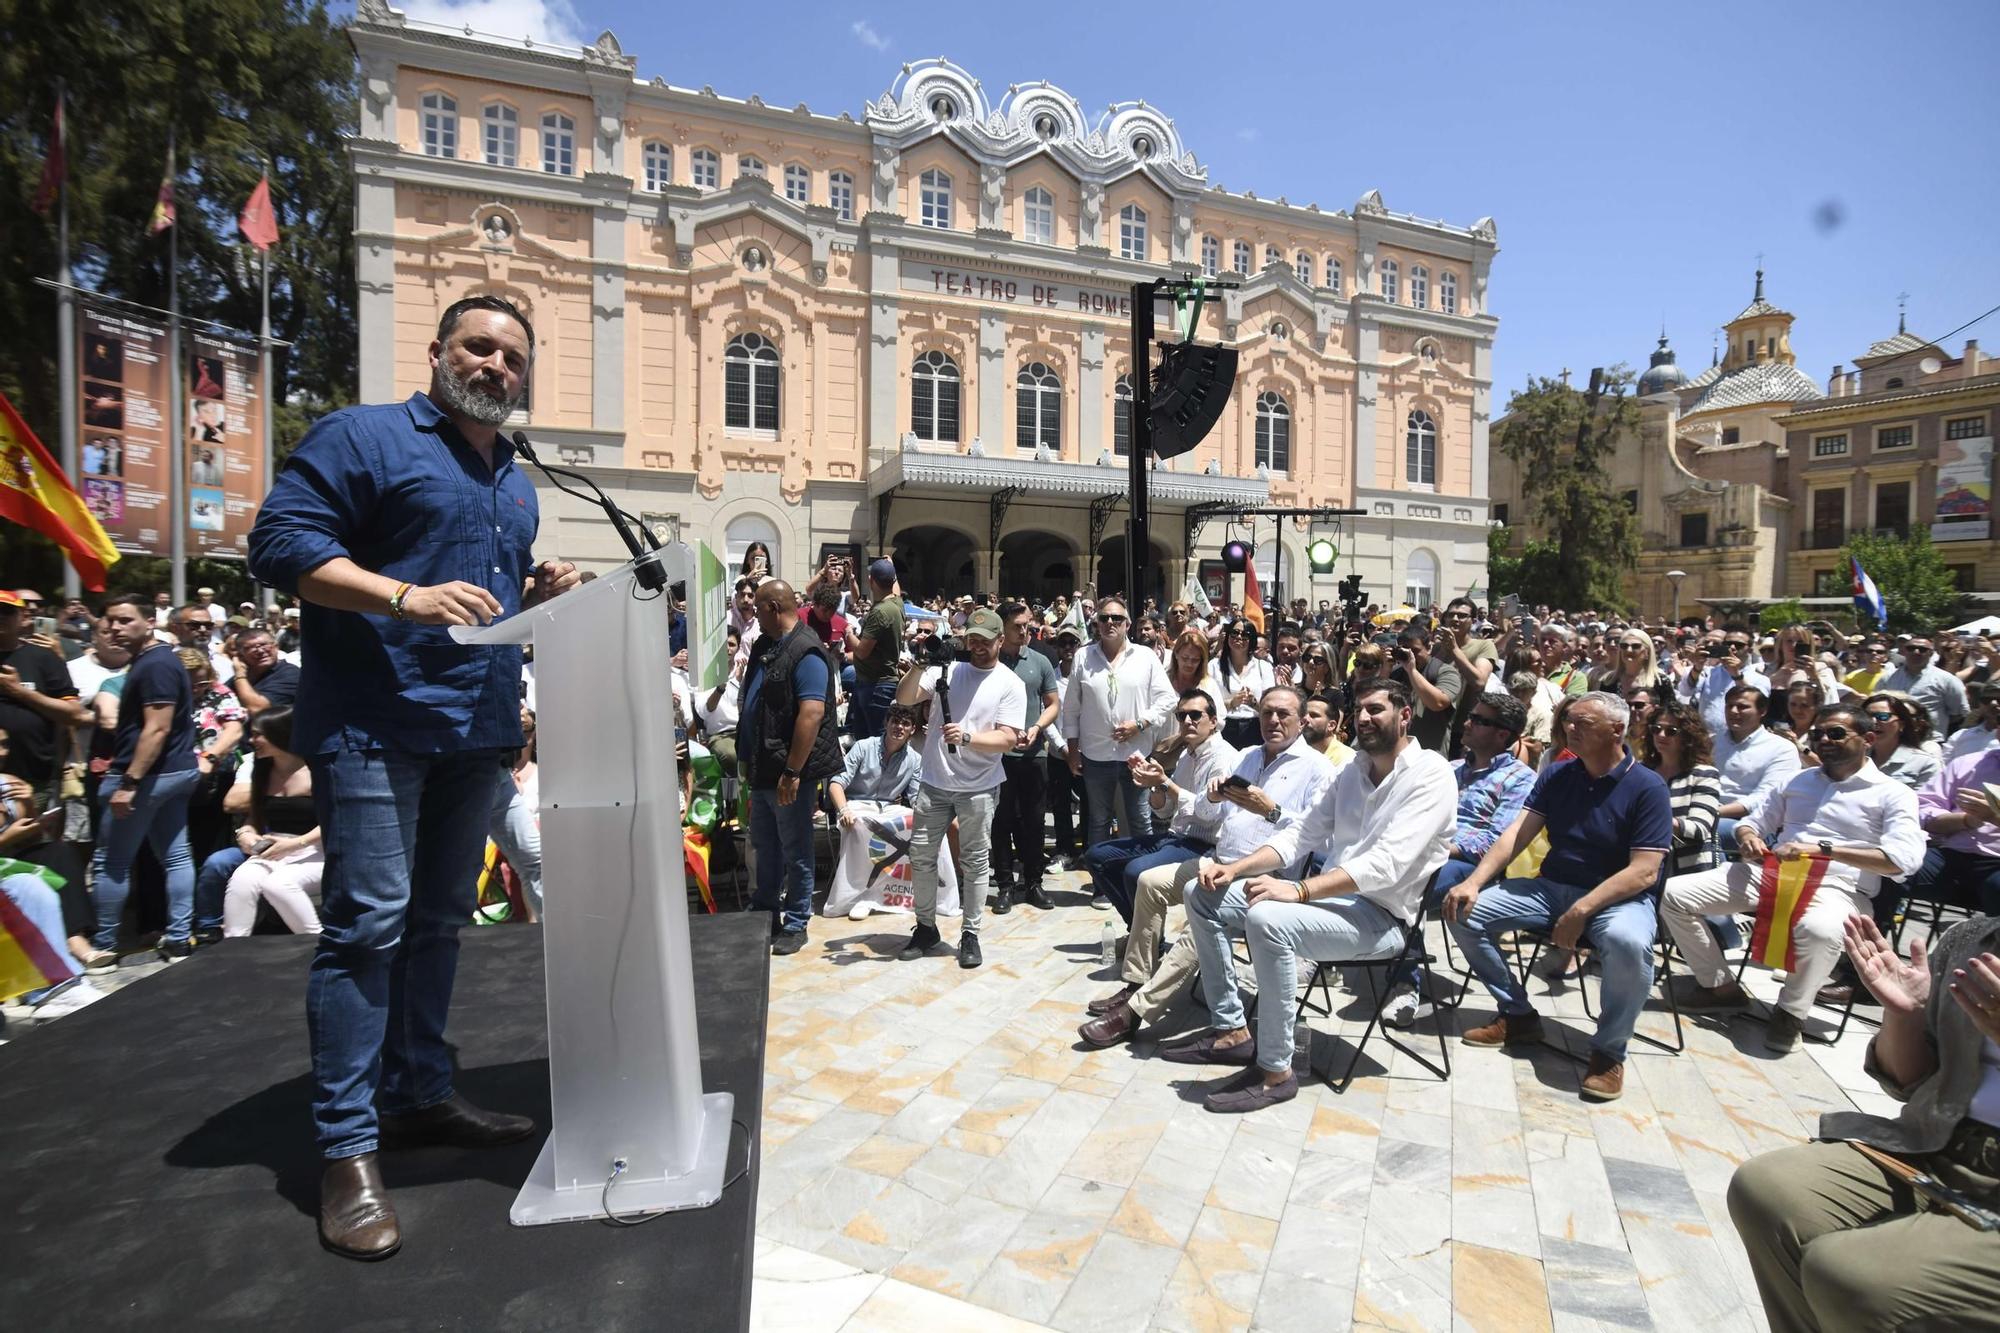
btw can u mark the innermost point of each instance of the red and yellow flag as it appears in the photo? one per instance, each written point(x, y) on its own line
point(1253, 597)
point(35, 493)
point(1783, 897)
point(27, 962)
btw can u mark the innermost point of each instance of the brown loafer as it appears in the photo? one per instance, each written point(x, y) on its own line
point(455, 1123)
point(1204, 1051)
point(1604, 1081)
point(355, 1217)
point(1506, 1030)
point(1728, 998)
point(1254, 1095)
point(1110, 1029)
point(1104, 1004)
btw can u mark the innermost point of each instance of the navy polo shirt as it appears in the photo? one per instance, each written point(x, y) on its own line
point(1595, 824)
point(398, 490)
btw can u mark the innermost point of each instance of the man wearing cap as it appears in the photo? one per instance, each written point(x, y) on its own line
point(38, 702)
point(875, 647)
point(217, 613)
point(979, 713)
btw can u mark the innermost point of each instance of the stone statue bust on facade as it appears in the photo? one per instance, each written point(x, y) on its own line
point(497, 229)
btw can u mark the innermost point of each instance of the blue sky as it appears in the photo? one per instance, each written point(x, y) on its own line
point(1637, 159)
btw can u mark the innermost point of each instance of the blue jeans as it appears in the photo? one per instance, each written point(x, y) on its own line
point(782, 836)
point(1448, 876)
point(1115, 866)
point(211, 884)
point(42, 907)
point(157, 818)
point(1108, 785)
point(1622, 936)
point(1331, 930)
point(403, 835)
point(868, 706)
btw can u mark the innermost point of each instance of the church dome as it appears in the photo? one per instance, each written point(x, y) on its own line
point(1662, 375)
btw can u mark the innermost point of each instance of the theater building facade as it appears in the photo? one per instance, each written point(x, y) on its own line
point(908, 330)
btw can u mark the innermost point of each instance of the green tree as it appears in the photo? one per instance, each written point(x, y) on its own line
point(1589, 538)
point(1777, 615)
point(1919, 592)
point(245, 86)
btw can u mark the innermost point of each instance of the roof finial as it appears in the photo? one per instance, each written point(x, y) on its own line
point(1902, 300)
point(1760, 279)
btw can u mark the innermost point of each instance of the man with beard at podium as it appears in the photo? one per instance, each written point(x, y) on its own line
point(391, 524)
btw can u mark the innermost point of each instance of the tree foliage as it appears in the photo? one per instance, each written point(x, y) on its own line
point(1587, 538)
point(1919, 592)
point(245, 86)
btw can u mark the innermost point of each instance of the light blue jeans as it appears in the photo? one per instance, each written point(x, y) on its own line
point(519, 838)
point(1328, 930)
point(1109, 786)
point(403, 835)
point(158, 818)
point(1621, 935)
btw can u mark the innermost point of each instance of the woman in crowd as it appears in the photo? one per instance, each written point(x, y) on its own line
point(756, 562)
point(1796, 660)
point(1316, 664)
point(282, 860)
point(1633, 667)
point(1677, 746)
point(1187, 669)
point(1240, 679)
point(218, 735)
point(1897, 745)
point(1801, 707)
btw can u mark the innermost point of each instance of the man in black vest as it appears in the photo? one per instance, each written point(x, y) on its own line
point(786, 754)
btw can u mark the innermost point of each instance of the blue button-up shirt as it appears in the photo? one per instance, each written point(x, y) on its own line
point(1489, 799)
point(397, 490)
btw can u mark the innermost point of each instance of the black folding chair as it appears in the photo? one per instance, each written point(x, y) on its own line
point(1413, 953)
point(1663, 968)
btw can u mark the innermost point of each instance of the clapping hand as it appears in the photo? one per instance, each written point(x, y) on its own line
point(1902, 987)
point(1978, 809)
point(1148, 773)
point(1976, 988)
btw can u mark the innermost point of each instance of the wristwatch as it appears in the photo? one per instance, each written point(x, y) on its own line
point(1825, 847)
point(1272, 816)
point(792, 773)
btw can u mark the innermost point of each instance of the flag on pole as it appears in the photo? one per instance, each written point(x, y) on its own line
point(53, 167)
point(1782, 898)
point(1867, 597)
point(1253, 599)
point(163, 206)
point(1073, 619)
point(1197, 598)
point(259, 223)
point(35, 493)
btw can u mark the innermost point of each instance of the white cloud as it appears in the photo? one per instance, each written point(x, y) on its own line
point(549, 22)
point(864, 32)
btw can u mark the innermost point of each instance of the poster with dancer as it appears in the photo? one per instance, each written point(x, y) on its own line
point(123, 401)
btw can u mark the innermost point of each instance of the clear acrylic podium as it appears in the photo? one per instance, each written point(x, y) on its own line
point(624, 1062)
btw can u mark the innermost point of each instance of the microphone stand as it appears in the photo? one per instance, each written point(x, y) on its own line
point(646, 563)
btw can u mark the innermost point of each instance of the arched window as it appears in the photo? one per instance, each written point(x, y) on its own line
point(1333, 273)
point(1132, 232)
point(1274, 432)
point(750, 380)
point(934, 199)
point(1037, 408)
point(798, 184)
point(1239, 257)
point(1038, 216)
point(934, 384)
point(1421, 582)
point(1302, 264)
point(840, 195)
point(1272, 255)
point(440, 125)
point(658, 160)
point(1420, 450)
point(1391, 281)
point(503, 134)
point(1448, 293)
point(749, 164)
point(1121, 417)
point(1211, 255)
point(1420, 287)
point(705, 169)
point(742, 532)
point(558, 144)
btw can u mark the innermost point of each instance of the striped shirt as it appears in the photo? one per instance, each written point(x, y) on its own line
point(1695, 796)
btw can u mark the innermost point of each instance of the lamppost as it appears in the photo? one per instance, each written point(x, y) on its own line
point(1674, 576)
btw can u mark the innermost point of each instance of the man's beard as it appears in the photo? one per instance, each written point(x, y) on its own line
point(458, 396)
point(1374, 740)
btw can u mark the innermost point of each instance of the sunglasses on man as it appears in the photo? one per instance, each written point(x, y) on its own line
point(1106, 618)
point(1833, 733)
point(1193, 714)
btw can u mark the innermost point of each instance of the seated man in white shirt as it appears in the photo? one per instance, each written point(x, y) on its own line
point(1383, 826)
point(1981, 730)
point(1846, 810)
point(1754, 761)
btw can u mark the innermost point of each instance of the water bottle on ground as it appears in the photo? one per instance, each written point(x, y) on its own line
point(1107, 946)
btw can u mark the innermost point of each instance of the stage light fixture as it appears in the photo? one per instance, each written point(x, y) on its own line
point(1321, 554)
point(1235, 557)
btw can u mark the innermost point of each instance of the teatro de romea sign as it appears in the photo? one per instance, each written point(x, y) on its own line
point(1027, 291)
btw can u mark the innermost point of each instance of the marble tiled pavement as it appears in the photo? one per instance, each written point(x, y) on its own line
point(940, 1153)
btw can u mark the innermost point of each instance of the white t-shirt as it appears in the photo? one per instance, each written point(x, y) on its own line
point(980, 701)
point(89, 675)
point(724, 715)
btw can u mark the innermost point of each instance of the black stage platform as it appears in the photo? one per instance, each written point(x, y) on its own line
point(157, 1166)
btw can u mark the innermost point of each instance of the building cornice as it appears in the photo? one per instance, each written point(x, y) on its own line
point(1979, 391)
point(986, 473)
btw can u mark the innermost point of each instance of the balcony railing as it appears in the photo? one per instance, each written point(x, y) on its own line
point(1832, 539)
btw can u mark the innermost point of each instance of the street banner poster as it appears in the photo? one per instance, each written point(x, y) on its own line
point(1964, 490)
point(225, 445)
point(708, 618)
point(124, 407)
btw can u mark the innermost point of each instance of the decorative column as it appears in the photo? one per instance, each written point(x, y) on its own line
point(1090, 395)
point(992, 379)
point(1367, 354)
point(607, 319)
point(375, 279)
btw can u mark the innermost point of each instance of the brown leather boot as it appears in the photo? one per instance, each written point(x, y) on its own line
point(1604, 1081)
point(356, 1218)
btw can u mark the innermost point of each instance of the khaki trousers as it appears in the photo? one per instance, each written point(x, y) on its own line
point(1157, 916)
point(1837, 1243)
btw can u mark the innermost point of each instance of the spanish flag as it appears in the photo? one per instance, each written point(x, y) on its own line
point(35, 493)
point(1253, 597)
point(27, 962)
point(695, 858)
point(1783, 897)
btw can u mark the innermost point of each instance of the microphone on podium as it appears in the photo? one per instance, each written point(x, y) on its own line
point(646, 564)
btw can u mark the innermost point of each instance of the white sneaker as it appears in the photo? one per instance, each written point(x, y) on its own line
point(69, 1000)
point(1406, 1007)
point(860, 910)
